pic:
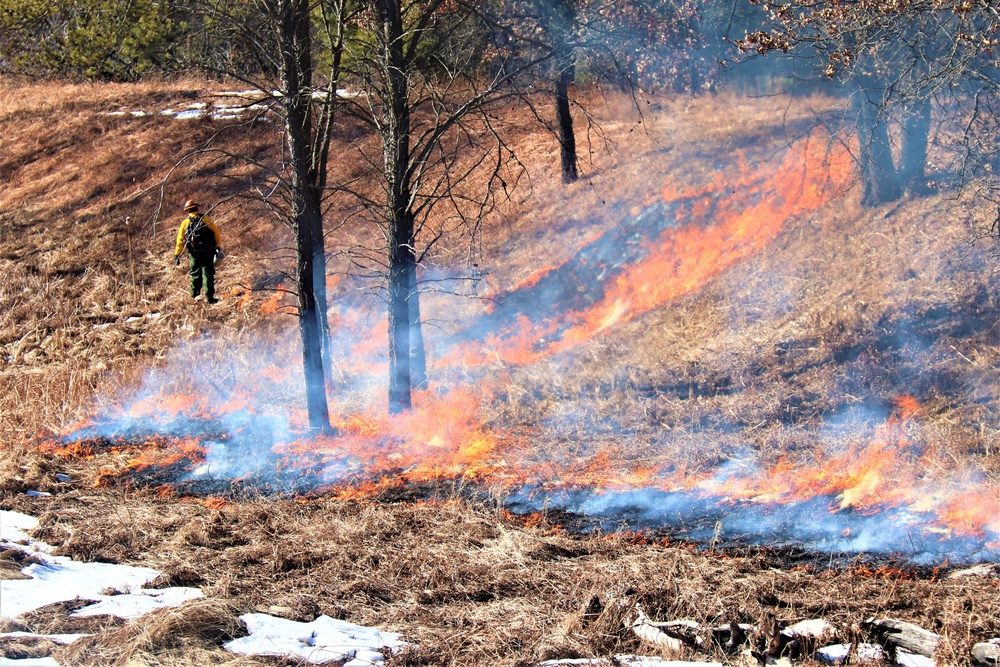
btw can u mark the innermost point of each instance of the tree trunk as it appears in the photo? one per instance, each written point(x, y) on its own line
point(310, 331)
point(319, 287)
point(913, 156)
point(418, 356)
point(400, 264)
point(564, 118)
point(878, 174)
point(401, 254)
point(296, 75)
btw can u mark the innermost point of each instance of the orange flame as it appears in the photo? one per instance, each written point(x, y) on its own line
point(448, 439)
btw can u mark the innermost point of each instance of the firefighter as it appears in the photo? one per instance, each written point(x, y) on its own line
point(200, 237)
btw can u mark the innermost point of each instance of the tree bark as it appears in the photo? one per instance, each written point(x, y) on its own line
point(319, 288)
point(913, 155)
point(401, 252)
point(879, 179)
point(418, 355)
point(564, 118)
point(894, 634)
point(296, 75)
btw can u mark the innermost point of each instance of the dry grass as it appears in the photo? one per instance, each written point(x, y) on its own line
point(87, 245)
point(466, 584)
point(844, 310)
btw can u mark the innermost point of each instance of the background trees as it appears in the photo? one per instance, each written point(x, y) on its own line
point(897, 58)
point(102, 39)
point(627, 44)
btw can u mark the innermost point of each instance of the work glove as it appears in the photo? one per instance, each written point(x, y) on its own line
point(177, 260)
point(219, 255)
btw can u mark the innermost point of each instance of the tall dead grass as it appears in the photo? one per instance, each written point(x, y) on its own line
point(468, 585)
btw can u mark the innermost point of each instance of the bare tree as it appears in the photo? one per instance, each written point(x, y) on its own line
point(429, 86)
point(290, 52)
point(897, 57)
point(620, 41)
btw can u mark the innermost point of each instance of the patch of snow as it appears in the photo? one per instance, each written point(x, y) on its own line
point(63, 478)
point(37, 494)
point(58, 639)
point(837, 653)
point(134, 605)
point(60, 578)
point(227, 113)
point(139, 114)
point(13, 526)
point(28, 662)
point(168, 112)
point(189, 115)
point(115, 113)
point(323, 640)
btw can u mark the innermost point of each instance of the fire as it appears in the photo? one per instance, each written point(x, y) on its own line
point(686, 236)
point(745, 212)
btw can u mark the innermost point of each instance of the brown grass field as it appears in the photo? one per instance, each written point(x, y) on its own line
point(847, 315)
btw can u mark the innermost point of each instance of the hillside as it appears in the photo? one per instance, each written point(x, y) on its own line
point(703, 379)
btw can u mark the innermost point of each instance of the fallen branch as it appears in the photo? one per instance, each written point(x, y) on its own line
point(647, 631)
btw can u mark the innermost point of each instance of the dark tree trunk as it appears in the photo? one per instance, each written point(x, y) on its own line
point(310, 328)
point(564, 118)
point(402, 259)
point(913, 155)
point(878, 174)
point(418, 356)
point(400, 382)
point(319, 287)
point(296, 75)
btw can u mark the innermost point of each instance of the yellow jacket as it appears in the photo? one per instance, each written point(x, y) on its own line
point(184, 225)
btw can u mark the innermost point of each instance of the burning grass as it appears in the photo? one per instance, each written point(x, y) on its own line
point(756, 352)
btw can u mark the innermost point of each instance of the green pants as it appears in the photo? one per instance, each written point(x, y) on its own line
point(203, 265)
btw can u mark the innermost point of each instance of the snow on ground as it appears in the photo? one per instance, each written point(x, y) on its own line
point(222, 112)
point(324, 640)
point(60, 578)
point(28, 662)
point(839, 653)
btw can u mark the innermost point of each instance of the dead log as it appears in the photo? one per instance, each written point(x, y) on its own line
point(981, 570)
point(986, 654)
point(685, 630)
point(893, 634)
point(805, 637)
point(646, 630)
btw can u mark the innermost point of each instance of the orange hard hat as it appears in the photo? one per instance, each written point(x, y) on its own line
point(190, 205)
